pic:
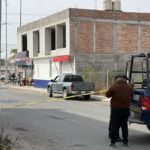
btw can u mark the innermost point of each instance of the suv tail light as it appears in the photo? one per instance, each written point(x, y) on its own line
point(145, 103)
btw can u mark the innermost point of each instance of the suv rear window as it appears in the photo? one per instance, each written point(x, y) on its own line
point(73, 78)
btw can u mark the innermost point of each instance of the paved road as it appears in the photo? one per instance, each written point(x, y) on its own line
point(56, 124)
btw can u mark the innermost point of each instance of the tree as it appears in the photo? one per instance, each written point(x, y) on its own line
point(12, 56)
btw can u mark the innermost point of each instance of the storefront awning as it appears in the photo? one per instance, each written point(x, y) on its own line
point(61, 58)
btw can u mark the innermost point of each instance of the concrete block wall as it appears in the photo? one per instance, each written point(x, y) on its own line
point(102, 62)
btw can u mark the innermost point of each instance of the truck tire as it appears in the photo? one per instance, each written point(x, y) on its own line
point(65, 94)
point(50, 92)
point(88, 97)
point(148, 127)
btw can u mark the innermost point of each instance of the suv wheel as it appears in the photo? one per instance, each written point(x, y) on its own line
point(65, 94)
point(88, 97)
point(148, 127)
point(50, 92)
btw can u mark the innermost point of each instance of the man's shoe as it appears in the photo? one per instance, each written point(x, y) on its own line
point(125, 143)
point(119, 139)
point(112, 144)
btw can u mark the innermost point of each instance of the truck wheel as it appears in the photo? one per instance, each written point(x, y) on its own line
point(88, 97)
point(148, 127)
point(65, 94)
point(50, 92)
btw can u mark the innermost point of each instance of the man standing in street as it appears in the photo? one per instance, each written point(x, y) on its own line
point(120, 94)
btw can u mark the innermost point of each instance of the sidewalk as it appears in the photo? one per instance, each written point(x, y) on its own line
point(30, 88)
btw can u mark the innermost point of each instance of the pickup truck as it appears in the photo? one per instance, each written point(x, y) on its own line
point(68, 85)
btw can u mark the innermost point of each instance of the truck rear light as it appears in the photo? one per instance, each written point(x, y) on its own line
point(145, 103)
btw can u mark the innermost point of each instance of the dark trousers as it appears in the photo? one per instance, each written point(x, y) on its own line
point(110, 130)
point(119, 118)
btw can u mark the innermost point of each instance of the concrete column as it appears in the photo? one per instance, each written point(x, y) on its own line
point(59, 37)
point(30, 44)
point(42, 41)
point(68, 34)
point(47, 41)
point(114, 38)
point(94, 36)
point(19, 42)
point(76, 36)
point(74, 65)
point(139, 38)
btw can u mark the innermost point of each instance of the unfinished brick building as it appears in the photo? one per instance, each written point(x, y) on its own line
point(105, 39)
point(74, 39)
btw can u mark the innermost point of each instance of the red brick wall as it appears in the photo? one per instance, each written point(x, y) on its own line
point(127, 38)
point(104, 37)
point(117, 33)
point(85, 37)
point(145, 38)
point(72, 36)
point(109, 14)
point(122, 37)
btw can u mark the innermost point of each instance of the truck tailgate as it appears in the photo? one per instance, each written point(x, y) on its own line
point(140, 106)
point(82, 86)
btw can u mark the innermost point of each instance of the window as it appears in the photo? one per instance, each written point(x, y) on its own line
point(64, 36)
point(53, 47)
point(24, 42)
point(73, 78)
point(57, 79)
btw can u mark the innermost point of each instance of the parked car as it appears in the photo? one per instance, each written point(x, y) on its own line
point(2, 78)
point(70, 84)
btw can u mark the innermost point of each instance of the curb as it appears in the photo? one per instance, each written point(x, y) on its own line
point(30, 88)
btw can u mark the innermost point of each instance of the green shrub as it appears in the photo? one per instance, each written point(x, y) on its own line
point(6, 142)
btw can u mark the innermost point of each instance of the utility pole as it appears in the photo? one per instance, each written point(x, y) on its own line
point(6, 62)
point(0, 33)
point(20, 13)
point(95, 4)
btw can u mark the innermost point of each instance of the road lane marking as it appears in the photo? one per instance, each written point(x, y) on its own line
point(45, 101)
point(101, 92)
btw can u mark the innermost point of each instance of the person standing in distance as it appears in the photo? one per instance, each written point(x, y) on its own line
point(120, 93)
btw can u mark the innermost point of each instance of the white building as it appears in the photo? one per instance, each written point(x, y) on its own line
point(48, 43)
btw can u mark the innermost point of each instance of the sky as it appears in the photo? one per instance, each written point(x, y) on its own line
point(36, 9)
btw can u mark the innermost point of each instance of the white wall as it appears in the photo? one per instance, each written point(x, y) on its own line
point(67, 67)
point(41, 69)
point(19, 42)
point(55, 69)
point(42, 42)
